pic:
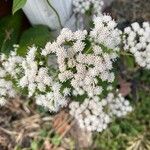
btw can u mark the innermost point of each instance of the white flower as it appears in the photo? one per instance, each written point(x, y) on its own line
point(82, 6)
point(66, 91)
point(82, 66)
point(6, 90)
point(78, 46)
point(2, 101)
point(136, 40)
point(23, 81)
point(92, 115)
point(10, 64)
point(105, 33)
point(85, 70)
point(53, 100)
point(34, 77)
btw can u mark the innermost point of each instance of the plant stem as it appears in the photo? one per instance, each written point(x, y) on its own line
point(125, 54)
point(55, 13)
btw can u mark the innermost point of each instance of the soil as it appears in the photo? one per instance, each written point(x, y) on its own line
point(128, 11)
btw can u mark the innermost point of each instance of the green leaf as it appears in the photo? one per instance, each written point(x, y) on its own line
point(56, 140)
point(34, 145)
point(38, 35)
point(43, 133)
point(10, 27)
point(129, 62)
point(18, 4)
point(115, 129)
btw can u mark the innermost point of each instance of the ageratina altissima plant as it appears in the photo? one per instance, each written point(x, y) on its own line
point(8, 70)
point(136, 40)
point(83, 6)
point(85, 10)
point(83, 79)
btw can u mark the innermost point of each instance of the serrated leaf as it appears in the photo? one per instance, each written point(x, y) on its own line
point(10, 27)
point(18, 4)
point(38, 35)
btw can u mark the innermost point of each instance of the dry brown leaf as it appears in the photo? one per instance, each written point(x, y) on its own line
point(125, 87)
point(47, 145)
point(61, 122)
point(82, 138)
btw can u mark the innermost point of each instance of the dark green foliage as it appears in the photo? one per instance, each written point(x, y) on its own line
point(10, 27)
point(129, 62)
point(38, 35)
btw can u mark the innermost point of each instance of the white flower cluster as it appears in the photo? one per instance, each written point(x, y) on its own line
point(6, 89)
point(34, 78)
point(106, 33)
point(85, 63)
point(52, 100)
point(137, 40)
point(84, 72)
point(82, 6)
point(85, 67)
point(11, 64)
point(28, 73)
point(95, 115)
point(7, 70)
point(40, 83)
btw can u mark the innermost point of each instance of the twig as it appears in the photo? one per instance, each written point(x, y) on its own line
point(8, 132)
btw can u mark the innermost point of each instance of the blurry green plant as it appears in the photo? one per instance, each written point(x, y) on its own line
point(56, 140)
point(10, 28)
point(37, 35)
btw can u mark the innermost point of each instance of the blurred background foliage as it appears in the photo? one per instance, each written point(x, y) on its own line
point(16, 29)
